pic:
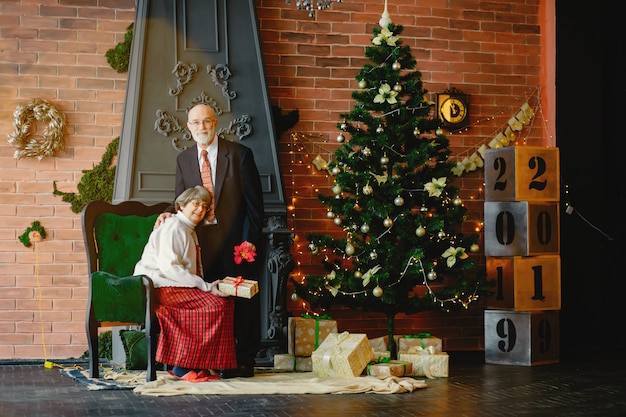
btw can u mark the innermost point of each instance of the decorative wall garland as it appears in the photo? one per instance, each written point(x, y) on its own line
point(52, 140)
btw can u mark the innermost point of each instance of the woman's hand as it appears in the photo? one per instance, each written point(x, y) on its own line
point(216, 291)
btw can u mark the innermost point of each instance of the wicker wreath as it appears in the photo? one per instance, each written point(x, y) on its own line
point(23, 118)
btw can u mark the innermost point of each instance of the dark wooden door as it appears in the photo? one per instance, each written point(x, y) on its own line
point(185, 52)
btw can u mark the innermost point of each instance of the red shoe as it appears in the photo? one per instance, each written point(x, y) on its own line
point(208, 374)
point(193, 376)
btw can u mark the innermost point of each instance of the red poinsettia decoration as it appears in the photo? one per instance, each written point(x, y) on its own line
point(244, 252)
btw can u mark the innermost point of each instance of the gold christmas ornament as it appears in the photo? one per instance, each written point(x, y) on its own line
point(377, 292)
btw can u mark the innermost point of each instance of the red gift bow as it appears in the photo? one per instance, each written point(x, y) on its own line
point(237, 282)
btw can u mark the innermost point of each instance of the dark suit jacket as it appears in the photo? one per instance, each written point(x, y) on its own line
point(238, 207)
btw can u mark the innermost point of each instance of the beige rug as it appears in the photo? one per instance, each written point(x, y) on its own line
point(270, 383)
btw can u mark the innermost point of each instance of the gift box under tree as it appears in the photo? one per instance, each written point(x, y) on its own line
point(384, 367)
point(423, 340)
point(342, 355)
point(288, 362)
point(426, 362)
point(306, 333)
point(380, 347)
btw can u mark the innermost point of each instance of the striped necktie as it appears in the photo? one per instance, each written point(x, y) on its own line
point(207, 182)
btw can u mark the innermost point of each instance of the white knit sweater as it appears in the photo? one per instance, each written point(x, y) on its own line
point(170, 256)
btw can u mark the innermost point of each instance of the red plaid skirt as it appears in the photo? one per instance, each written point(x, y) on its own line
point(196, 329)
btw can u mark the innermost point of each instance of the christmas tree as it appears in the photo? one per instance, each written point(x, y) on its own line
point(400, 246)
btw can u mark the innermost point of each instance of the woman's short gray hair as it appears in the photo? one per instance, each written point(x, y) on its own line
point(195, 193)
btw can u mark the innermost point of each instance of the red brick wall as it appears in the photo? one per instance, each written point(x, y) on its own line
point(493, 51)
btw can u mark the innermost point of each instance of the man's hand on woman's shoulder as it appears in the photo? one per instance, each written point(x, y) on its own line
point(161, 219)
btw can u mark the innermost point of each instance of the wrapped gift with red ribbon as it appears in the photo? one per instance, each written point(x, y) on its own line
point(239, 287)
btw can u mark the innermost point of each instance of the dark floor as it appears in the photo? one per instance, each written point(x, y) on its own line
point(584, 384)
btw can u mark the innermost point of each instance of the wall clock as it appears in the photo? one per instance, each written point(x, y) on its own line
point(453, 109)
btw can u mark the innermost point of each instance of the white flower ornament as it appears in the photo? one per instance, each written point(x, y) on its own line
point(334, 289)
point(369, 274)
point(452, 254)
point(385, 93)
point(435, 187)
point(385, 36)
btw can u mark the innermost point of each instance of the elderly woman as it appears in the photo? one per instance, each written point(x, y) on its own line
point(196, 319)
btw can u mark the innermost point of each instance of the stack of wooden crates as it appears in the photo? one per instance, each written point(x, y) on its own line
point(522, 249)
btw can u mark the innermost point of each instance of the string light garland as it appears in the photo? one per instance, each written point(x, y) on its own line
point(299, 154)
point(301, 147)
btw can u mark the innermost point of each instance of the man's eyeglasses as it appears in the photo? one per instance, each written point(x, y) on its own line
point(198, 123)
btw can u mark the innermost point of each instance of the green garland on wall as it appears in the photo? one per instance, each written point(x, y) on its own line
point(96, 184)
point(119, 57)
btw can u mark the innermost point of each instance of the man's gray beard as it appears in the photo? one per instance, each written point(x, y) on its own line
point(200, 138)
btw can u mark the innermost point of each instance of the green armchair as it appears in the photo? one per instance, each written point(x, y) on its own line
point(115, 235)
